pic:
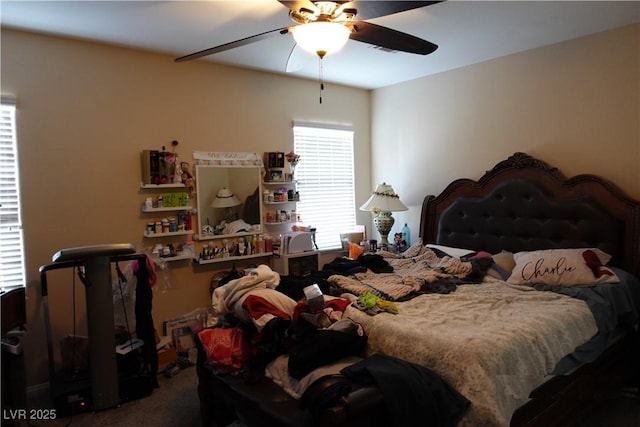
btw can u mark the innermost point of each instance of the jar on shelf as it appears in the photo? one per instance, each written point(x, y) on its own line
point(268, 244)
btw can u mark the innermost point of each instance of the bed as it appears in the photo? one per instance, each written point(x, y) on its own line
point(525, 353)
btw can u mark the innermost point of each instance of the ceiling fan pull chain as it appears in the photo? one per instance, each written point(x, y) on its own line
point(320, 77)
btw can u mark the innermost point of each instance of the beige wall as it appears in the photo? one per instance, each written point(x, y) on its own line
point(86, 111)
point(575, 105)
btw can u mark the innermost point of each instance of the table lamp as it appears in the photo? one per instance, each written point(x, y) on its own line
point(226, 200)
point(382, 202)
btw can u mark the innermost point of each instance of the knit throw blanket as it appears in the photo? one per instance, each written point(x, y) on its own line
point(492, 342)
point(411, 275)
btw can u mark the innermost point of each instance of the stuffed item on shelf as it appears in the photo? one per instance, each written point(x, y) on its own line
point(187, 178)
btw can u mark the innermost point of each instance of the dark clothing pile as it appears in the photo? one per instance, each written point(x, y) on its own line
point(411, 392)
point(347, 267)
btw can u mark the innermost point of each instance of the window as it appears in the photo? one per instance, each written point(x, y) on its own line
point(325, 178)
point(11, 244)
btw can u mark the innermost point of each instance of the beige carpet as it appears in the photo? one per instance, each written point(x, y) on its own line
point(174, 403)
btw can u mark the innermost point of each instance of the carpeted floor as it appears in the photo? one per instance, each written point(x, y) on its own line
point(174, 403)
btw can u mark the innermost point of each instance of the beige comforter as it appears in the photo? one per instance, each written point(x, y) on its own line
point(493, 342)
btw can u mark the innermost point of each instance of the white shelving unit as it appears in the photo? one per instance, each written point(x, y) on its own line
point(228, 236)
point(161, 186)
point(169, 234)
point(272, 208)
point(171, 209)
point(231, 258)
point(165, 188)
point(176, 258)
point(287, 264)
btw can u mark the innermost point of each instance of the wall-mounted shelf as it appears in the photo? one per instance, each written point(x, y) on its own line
point(175, 258)
point(169, 209)
point(159, 186)
point(278, 182)
point(231, 258)
point(169, 234)
point(281, 203)
point(228, 236)
point(274, 205)
point(172, 205)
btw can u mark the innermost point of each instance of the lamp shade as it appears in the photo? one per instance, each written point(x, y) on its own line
point(321, 37)
point(225, 199)
point(384, 199)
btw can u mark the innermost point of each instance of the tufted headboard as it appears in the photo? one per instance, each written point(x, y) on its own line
point(523, 204)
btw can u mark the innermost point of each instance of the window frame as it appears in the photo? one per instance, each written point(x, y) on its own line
point(12, 251)
point(321, 146)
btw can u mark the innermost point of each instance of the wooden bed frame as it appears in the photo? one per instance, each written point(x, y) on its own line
point(524, 204)
point(521, 204)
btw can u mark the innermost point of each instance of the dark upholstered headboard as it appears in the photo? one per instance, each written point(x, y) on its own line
point(523, 204)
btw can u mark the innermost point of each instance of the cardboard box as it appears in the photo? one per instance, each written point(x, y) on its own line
point(346, 238)
point(181, 332)
point(165, 357)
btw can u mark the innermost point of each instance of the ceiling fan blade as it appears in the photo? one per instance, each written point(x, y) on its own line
point(296, 59)
point(373, 9)
point(233, 44)
point(387, 38)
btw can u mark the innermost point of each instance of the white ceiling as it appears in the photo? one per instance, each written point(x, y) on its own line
point(467, 32)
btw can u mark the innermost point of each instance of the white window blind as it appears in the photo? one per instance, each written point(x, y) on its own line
point(325, 178)
point(11, 244)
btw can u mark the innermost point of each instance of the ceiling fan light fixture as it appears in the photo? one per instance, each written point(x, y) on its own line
point(321, 38)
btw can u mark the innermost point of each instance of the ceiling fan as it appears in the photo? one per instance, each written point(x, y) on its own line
point(335, 23)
